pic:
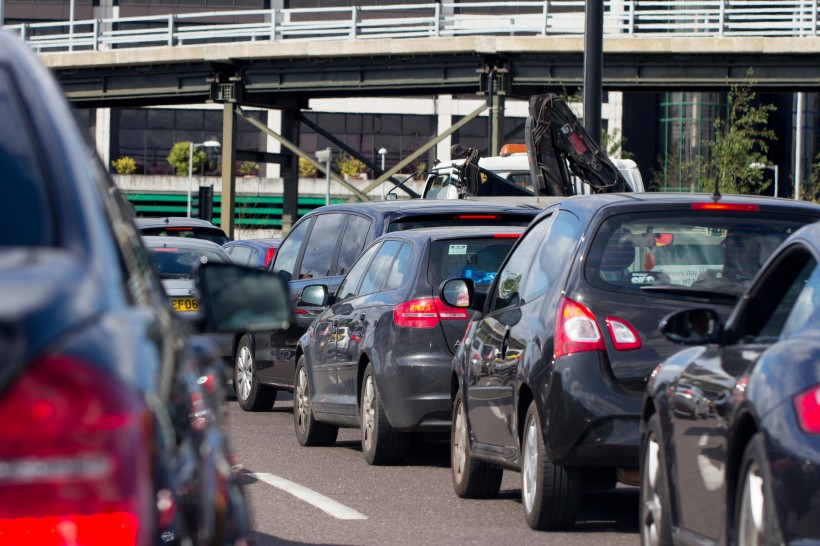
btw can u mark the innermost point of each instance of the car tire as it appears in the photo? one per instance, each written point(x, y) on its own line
point(755, 516)
point(381, 443)
point(655, 511)
point(550, 493)
point(309, 431)
point(472, 479)
point(251, 395)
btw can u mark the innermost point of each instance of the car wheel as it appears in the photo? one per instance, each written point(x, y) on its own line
point(381, 443)
point(249, 393)
point(656, 525)
point(550, 493)
point(309, 432)
point(755, 518)
point(471, 479)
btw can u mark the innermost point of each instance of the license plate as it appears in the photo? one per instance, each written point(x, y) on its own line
point(184, 304)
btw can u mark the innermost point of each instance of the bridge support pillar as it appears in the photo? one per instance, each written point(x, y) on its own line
point(289, 169)
point(226, 216)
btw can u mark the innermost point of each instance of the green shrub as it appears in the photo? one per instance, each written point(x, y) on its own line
point(178, 157)
point(349, 165)
point(306, 170)
point(125, 165)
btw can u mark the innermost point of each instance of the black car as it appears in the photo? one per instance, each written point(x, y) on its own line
point(550, 376)
point(746, 469)
point(110, 427)
point(175, 226)
point(323, 245)
point(379, 357)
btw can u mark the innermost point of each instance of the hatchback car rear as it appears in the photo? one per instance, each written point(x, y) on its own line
point(595, 274)
point(380, 356)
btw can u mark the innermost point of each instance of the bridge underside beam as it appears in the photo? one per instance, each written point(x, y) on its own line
point(281, 83)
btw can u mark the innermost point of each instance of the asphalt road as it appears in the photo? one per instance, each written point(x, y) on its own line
point(330, 495)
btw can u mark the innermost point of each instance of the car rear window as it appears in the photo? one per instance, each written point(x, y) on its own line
point(209, 234)
point(460, 219)
point(685, 251)
point(474, 258)
point(178, 263)
point(26, 217)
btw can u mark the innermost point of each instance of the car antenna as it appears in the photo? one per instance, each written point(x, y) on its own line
point(716, 194)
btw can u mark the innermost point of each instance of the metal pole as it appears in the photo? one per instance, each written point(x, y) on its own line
point(798, 145)
point(776, 169)
point(71, 26)
point(593, 67)
point(327, 171)
point(190, 174)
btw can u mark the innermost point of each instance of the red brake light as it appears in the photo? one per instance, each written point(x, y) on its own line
point(575, 330)
point(506, 235)
point(741, 207)
point(269, 256)
point(478, 217)
point(179, 229)
point(69, 470)
point(807, 407)
point(624, 337)
point(425, 313)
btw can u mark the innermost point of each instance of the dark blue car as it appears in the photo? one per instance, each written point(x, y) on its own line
point(746, 468)
point(257, 253)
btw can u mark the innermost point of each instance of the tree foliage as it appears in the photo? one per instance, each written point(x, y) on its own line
point(740, 141)
point(811, 186)
point(178, 157)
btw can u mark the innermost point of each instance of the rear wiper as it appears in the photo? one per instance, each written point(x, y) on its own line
point(699, 292)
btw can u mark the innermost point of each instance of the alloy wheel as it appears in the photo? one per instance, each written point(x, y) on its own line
point(653, 507)
point(751, 529)
point(368, 413)
point(529, 472)
point(244, 373)
point(459, 447)
point(302, 401)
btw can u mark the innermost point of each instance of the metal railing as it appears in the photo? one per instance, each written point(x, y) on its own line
point(704, 18)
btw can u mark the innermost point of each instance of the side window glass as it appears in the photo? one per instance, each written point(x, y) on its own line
point(399, 268)
point(509, 283)
point(241, 255)
point(353, 241)
point(288, 253)
point(797, 304)
point(348, 287)
point(377, 272)
point(320, 251)
point(553, 256)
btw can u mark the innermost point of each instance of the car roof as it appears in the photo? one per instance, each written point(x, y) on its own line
point(155, 241)
point(444, 233)
point(589, 205)
point(418, 207)
point(256, 243)
point(174, 221)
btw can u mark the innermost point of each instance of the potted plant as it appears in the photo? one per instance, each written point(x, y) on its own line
point(125, 165)
point(249, 169)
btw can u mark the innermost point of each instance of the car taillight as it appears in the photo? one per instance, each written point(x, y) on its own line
point(425, 313)
point(74, 467)
point(506, 235)
point(269, 253)
point(575, 330)
point(807, 407)
point(624, 336)
point(740, 207)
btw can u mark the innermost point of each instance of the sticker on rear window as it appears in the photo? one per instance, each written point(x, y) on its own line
point(457, 249)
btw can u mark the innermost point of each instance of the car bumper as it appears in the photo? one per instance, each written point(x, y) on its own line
point(587, 418)
point(794, 464)
point(416, 393)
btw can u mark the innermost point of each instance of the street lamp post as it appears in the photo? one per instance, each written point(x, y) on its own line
point(206, 144)
point(774, 168)
point(382, 152)
point(324, 156)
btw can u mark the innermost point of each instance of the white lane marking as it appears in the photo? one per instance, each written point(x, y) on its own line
point(326, 504)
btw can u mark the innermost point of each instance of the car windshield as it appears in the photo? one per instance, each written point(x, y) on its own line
point(685, 252)
point(476, 259)
point(178, 263)
point(209, 234)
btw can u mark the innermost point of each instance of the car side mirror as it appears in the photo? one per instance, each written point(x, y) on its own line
point(691, 326)
point(242, 299)
point(316, 294)
point(458, 292)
